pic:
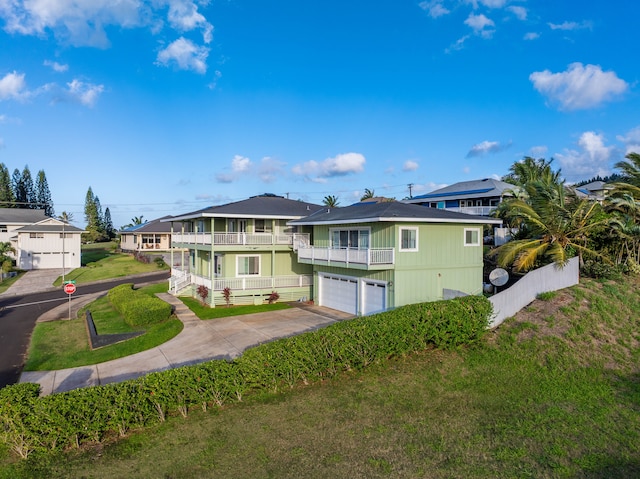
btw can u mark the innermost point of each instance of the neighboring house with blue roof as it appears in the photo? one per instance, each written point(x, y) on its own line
point(373, 256)
point(596, 190)
point(476, 197)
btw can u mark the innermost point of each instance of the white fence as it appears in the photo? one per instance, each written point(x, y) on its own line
point(542, 280)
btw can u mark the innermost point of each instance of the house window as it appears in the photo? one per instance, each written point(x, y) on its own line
point(408, 239)
point(357, 238)
point(472, 236)
point(248, 265)
point(65, 235)
point(3, 228)
point(263, 226)
point(36, 235)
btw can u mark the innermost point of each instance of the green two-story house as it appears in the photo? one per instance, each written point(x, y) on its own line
point(371, 257)
point(245, 246)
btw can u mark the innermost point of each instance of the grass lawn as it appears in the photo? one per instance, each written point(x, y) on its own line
point(4, 285)
point(64, 344)
point(553, 393)
point(205, 312)
point(100, 261)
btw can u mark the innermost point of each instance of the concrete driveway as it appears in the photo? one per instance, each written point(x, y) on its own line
point(35, 281)
point(199, 341)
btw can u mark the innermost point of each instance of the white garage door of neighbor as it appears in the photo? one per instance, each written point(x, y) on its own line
point(375, 296)
point(46, 260)
point(339, 293)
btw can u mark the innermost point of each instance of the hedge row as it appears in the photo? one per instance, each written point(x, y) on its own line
point(30, 423)
point(138, 309)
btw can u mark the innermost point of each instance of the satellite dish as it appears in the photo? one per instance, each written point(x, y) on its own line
point(498, 277)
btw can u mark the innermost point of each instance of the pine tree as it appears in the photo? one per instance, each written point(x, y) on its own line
point(19, 191)
point(108, 224)
point(93, 217)
point(43, 195)
point(7, 198)
point(30, 191)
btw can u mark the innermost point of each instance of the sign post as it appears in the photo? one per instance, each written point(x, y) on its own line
point(69, 288)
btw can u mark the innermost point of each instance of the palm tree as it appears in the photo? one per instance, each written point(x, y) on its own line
point(624, 228)
point(137, 220)
point(6, 263)
point(368, 194)
point(555, 225)
point(630, 168)
point(531, 170)
point(330, 201)
point(66, 217)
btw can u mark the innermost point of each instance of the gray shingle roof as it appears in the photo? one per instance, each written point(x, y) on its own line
point(153, 226)
point(264, 206)
point(20, 216)
point(49, 228)
point(393, 211)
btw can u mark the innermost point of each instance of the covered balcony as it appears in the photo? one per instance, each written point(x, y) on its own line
point(369, 258)
point(242, 239)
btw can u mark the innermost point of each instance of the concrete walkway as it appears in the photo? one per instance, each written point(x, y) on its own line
point(199, 341)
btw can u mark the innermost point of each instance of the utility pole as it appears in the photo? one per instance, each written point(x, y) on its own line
point(410, 185)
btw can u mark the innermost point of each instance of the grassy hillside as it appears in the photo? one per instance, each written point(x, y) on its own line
point(555, 392)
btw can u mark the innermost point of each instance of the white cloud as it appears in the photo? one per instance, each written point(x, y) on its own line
point(568, 26)
point(434, 8)
point(410, 165)
point(538, 151)
point(631, 140)
point(240, 164)
point(185, 54)
point(579, 87)
point(13, 86)
point(493, 3)
point(591, 159)
point(479, 23)
point(340, 165)
point(531, 36)
point(78, 22)
point(270, 169)
point(519, 12)
point(486, 147)
point(55, 66)
point(86, 93)
point(184, 16)
point(458, 45)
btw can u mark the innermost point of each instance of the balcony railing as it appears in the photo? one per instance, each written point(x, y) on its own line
point(242, 239)
point(369, 257)
point(180, 280)
point(472, 210)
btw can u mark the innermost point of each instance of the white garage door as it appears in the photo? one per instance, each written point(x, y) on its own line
point(339, 293)
point(45, 260)
point(375, 297)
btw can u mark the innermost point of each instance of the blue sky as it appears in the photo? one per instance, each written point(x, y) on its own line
point(167, 106)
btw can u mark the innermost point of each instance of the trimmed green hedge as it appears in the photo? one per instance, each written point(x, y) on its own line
point(29, 423)
point(138, 309)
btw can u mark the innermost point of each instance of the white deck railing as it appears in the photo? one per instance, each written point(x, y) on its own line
point(241, 284)
point(472, 210)
point(241, 239)
point(371, 256)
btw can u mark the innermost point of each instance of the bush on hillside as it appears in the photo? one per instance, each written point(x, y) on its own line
point(30, 424)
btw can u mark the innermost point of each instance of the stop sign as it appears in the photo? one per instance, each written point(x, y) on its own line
point(69, 288)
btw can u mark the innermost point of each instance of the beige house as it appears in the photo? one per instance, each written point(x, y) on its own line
point(148, 237)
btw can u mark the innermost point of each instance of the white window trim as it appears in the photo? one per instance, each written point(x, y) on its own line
point(411, 228)
point(346, 228)
point(248, 256)
point(477, 230)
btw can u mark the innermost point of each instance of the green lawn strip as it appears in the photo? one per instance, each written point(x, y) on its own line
point(4, 285)
point(109, 265)
point(205, 312)
point(64, 344)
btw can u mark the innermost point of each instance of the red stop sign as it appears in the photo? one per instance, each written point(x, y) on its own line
point(69, 288)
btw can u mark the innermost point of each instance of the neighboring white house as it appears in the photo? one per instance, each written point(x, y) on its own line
point(40, 242)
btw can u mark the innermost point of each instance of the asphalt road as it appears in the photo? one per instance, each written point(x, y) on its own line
point(18, 315)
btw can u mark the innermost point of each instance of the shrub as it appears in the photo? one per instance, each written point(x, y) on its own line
point(137, 308)
point(273, 297)
point(226, 294)
point(203, 292)
point(598, 269)
point(159, 261)
point(29, 424)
